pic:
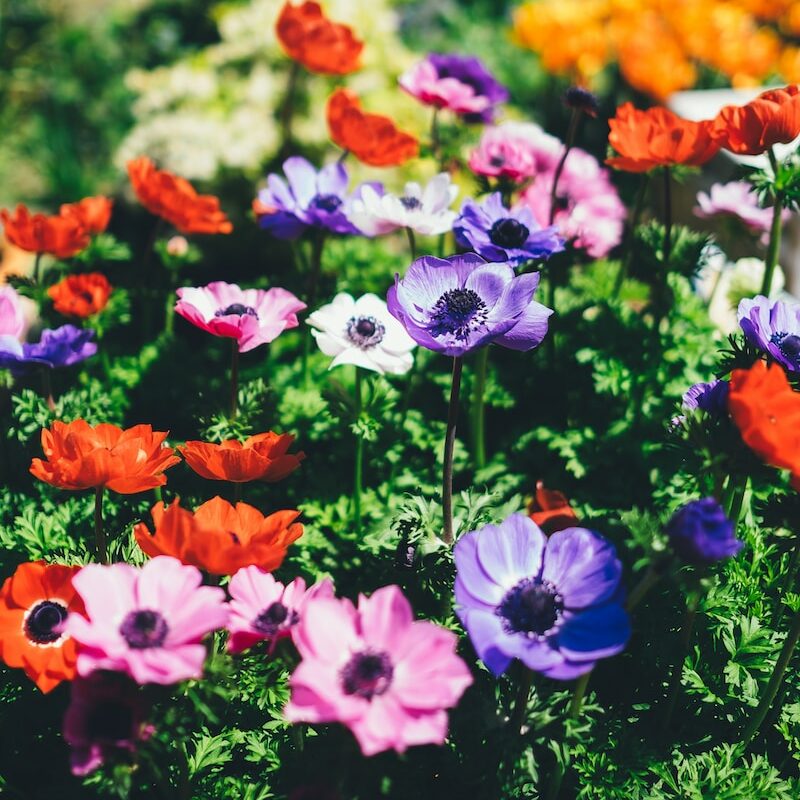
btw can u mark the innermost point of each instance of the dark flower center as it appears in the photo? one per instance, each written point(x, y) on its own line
point(367, 674)
point(87, 296)
point(44, 622)
point(458, 312)
point(410, 203)
point(326, 202)
point(365, 332)
point(788, 344)
point(143, 629)
point(532, 607)
point(497, 161)
point(273, 618)
point(238, 310)
point(109, 720)
point(508, 233)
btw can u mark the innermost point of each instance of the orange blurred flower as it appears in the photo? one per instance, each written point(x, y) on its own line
point(56, 235)
point(34, 603)
point(772, 118)
point(80, 295)
point(371, 138)
point(657, 138)
point(551, 510)
point(259, 458)
point(219, 538)
point(766, 411)
point(174, 199)
point(93, 213)
point(319, 44)
point(79, 456)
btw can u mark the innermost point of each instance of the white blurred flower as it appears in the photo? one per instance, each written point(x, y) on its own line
point(426, 210)
point(362, 332)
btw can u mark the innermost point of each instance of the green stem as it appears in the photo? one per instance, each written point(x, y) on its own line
point(773, 251)
point(636, 216)
point(775, 681)
point(315, 268)
point(734, 498)
point(406, 404)
point(435, 143)
point(287, 109)
point(571, 131)
point(479, 408)
point(687, 629)
point(358, 470)
point(99, 533)
point(650, 578)
point(449, 445)
point(234, 378)
point(412, 243)
point(237, 492)
point(47, 388)
point(37, 262)
point(667, 218)
point(521, 701)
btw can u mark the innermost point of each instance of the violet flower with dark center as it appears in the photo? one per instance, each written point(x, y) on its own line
point(774, 328)
point(59, 347)
point(580, 99)
point(701, 533)
point(501, 234)
point(711, 397)
point(307, 198)
point(457, 304)
point(555, 604)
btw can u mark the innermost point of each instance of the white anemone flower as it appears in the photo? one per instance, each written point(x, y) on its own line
point(362, 332)
point(426, 210)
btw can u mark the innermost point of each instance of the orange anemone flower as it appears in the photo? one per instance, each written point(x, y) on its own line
point(34, 603)
point(371, 138)
point(175, 199)
point(59, 236)
point(79, 456)
point(80, 295)
point(772, 118)
point(93, 213)
point(219, 538)
point(316, 42)
point(658, 138)
point(551, 510)
point(766, 411)
point(259, 458)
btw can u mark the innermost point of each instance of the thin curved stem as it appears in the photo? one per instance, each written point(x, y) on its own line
point(521, 700)
point(479, 408)
point(412, 243)
point(667, 218)
point(99, 532)
point(571, 131)
point(773, 250)
point(449, 445)
point(358, 469)
point(234, 378)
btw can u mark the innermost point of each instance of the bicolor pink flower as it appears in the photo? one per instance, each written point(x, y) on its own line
point(735, 199)
point(515, 151)
point(251, 316)
point(262, 608)
point(147, 623)
point(374, 669)
point(13, 322)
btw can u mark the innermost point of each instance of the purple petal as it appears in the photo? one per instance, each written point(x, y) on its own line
point(332, 179)
point(471, 576)
point(489, 281)
point(596, 633)
point(302, 179)
point(529, 331)
point(511, 551)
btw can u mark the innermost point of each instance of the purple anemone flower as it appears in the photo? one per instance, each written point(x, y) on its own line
point(773, 327)
point(701, 533)
point(472, 72)
point(59, 347)
point(457, 304)
point(105, 718)
point(711, 397)
point(501, 234)
point(555, 604)
point(306, 199)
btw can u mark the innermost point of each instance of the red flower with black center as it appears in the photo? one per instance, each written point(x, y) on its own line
point(80, 295)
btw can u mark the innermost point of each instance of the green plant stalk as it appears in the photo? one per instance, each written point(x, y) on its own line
point(234, 378)
point(634, 224)
point(287, 109)
point(667, 219)
point(358, 469)
point(733, 499)
point(406, 404)
point(570, 140)
point(521, 700)
point(37, 262)
point(99, 532)
point(773, 250)
point(479, 408)
point(449, 446)
point(315, 267)
point(412, 243)
point(687, 629)
point(775, 680)
point(47, 388)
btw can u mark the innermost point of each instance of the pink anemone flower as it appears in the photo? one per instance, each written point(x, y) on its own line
point(251, 316)
point(147, 623)
point(423, 82)
point(262, 608)
point(373, 668)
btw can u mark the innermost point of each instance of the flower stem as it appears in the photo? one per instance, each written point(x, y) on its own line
point(99, 533)
point(287, 109)
point(521, 701)
point(734, 498)
point(37, 261)
point(773, 250)
point(412, 243)
point(687, 629)
point(571, 131)
point(479, 407)
point(435, 143)
point(358, 469)
point(775, 681)
point(667, 218)
point(650, 578)
point(234, 378)
point(47, 388)
point(636, 216)
point(315, 267)
point(449, 445)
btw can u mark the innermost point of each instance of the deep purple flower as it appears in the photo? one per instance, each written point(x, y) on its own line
point(59, 347)
point(773, 327)
point(580, 99)
point(701, 533)
point(555, 604)
point(307, 198)
point(500, 234)
point(711, 397)
point(105, 718)
point(455, 305)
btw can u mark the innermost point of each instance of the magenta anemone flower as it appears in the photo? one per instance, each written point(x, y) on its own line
point(555, 604)
point(251, 316)
point(376, 670)
point(262, 608)
point(106, 718)
point(12, 315)
point(455, 305)
point(148, 623)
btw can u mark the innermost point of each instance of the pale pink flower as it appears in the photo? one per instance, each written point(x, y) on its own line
point(736, 199)
point(376, 670)
point(178, 246)
point(251, 316)
point(262, 608)
point(13, 321)
point(516, 151)
point(147, 623)
point(423, 82)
